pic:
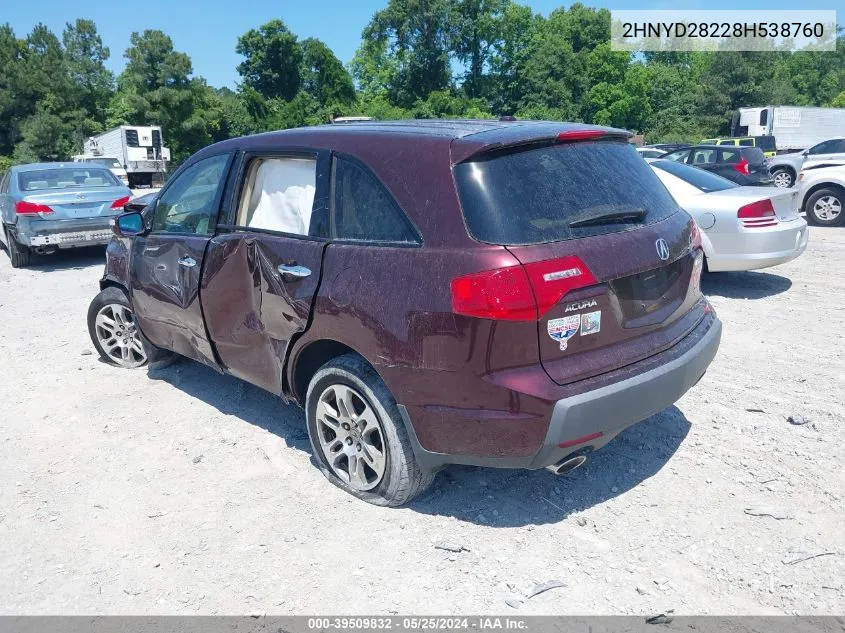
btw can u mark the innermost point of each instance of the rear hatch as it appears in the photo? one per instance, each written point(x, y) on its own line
point(754, 163)
point(612, 261)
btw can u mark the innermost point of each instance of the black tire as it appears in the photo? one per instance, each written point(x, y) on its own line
point(838, 195)
point(116, 296)
point(403, 478)
point(787, 172)
point(19, 255)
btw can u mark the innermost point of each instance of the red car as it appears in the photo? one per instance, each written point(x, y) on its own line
point(509, 294)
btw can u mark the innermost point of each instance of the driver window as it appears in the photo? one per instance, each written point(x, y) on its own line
point(188, 204)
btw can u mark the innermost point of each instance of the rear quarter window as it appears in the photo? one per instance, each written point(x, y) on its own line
point(532, 196)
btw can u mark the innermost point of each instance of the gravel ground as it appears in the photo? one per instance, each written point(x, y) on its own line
point(184, 491)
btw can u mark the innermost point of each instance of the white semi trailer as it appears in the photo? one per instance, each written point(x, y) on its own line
point(794, 128)
point(140, 149)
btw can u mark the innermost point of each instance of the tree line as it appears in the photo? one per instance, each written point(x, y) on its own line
point(416, 59)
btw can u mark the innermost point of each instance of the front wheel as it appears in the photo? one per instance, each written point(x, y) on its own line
point(783, 178)
point(826, 207)
point(111, 324)
point(358, 437)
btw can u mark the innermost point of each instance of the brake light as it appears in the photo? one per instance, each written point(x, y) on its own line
point(31, 208)
point(519, 293)
point(742, 167)
point(579, 135)
point(119, 203)
point(757, 214)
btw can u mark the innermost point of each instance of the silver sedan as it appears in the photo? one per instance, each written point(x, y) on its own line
point(742, 228)
point(48, 206)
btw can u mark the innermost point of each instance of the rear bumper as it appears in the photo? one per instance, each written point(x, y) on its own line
point(603, 412)
point(767, 249)
point(65, 233)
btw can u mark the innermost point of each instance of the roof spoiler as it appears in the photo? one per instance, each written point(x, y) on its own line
point(475, 145)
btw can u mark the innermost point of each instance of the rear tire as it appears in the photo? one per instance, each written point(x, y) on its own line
point(19, 255)
point(783, 177)
point(826, 207)
point(358, 437)
point(115, 335)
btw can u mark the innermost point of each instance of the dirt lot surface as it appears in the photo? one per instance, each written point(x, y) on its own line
point(184, 491)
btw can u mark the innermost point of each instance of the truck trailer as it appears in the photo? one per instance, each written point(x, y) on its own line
point(140, 149)
point(794, 128)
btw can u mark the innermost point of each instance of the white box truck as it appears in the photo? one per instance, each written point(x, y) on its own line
point(140, 149)
point(794, 128)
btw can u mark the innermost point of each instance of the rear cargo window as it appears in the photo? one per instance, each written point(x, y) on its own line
point(533, 196)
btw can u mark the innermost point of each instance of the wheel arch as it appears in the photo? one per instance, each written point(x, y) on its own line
point(309, 357)
point(818, 187)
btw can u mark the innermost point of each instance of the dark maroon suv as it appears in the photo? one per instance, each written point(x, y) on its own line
point(507, 294)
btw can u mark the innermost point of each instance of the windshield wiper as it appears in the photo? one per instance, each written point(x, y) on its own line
point(608, 218)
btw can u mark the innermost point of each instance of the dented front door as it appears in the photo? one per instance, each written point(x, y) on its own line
point(167, 263)
point(165, 293)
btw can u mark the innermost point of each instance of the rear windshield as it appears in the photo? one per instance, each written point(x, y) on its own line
point(766, 143)
point(753, 155)
point(103, 162)
point(703, 180)
point(66, 178)
point(532, 196)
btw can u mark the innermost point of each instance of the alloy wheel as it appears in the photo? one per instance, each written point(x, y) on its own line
point(351, 437)
point(118, 336)
point(782, 179)
point(827, 208)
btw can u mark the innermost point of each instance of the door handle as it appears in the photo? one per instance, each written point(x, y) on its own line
point(294, 271)
point(187, 261)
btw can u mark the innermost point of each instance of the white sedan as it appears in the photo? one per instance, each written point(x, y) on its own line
point(742, 228)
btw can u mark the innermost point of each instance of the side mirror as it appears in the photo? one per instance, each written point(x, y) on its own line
point(806, 152)
point(129, 224)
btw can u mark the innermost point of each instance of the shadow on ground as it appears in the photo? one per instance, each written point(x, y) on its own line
point(485, 496)
point(744, 285)
point(69, 259)
point(232, 396)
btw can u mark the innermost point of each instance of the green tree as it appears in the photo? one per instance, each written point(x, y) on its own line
point(273, 59)
point(323, 75)
point(85, 57)
point(476, 36)
point(414, 37)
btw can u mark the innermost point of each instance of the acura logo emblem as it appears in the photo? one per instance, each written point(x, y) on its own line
point(662, 249)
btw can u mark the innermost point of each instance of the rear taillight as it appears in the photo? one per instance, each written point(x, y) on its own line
point(31, 208)
point(519, 293)
point(742, 167)
point(757, 214)
point(119, 203)
point(694, 235)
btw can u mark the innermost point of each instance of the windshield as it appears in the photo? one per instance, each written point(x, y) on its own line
point(105, 162)
point(546, 194)
point(702, 180)
point(66, 178)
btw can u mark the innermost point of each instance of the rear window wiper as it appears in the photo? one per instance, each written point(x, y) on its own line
point(608, 218)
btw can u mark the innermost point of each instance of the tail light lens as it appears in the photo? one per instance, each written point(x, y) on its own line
point(757, 214)
point(521, 292)
point(31, 208)
point(119, 203)
point(742, 167)
point(694, 235)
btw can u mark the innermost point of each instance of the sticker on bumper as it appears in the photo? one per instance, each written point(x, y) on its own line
point(564, 329)
point(591, 323)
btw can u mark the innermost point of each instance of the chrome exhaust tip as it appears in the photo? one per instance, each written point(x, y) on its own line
point(567, 465)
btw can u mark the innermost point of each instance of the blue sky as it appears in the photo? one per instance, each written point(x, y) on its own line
point(207, 30)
